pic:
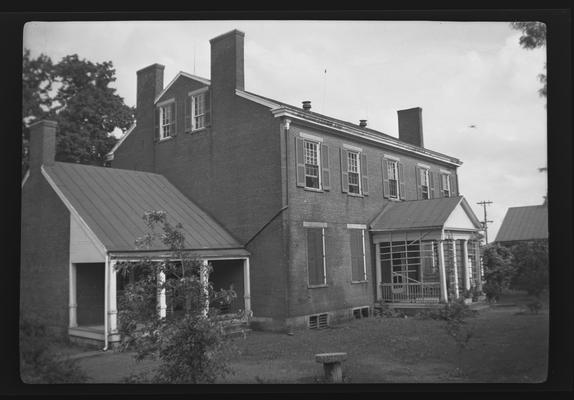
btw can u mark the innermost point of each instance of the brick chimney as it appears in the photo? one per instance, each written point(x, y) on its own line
point(42, 144)
point(227, 61)
point(411, 126)
point(149, 85)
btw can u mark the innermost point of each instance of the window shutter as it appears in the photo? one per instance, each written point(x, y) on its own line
point(401, 181)
point(419, 183)
point(364, 174)
point(157, 123)
point(207, 108)
point(356, 239)
point(315, 271)
point(174, 116)
point(440, 187)
point(431, 185)
point(344, 171)
point(300, 160)
point(187, 113)
point(325, 167)
point(454, 185)
point(386, 189)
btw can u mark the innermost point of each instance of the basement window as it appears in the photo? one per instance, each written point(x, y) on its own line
point(319, 321)
point(361, 312)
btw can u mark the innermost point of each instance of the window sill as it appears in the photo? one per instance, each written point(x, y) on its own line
point(198, 130)
point(393, 199)
point(355, 195)
point(317, 286)
point(359, 282)
point(165, 139)
point(313, 190)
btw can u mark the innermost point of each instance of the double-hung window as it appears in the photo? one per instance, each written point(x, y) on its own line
point(353, 165)
point(197, 110)
point(354, 175)
point(424, 182)
point(393, 174)
point(445, 185)
point(167, 120)
point(312, 165)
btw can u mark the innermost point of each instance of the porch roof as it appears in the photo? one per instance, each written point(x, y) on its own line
point(111, 202)
point(426, 214)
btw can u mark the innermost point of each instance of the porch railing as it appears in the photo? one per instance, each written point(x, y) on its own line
point(411, 292)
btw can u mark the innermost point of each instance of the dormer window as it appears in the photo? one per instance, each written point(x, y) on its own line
point(198, 110)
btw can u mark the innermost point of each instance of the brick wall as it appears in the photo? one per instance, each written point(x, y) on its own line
point(44, 251)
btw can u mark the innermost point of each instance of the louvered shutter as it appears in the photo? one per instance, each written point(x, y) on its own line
point(440, 187)
point(401, 181)
point(325, 167)
point(454, 185)
point(207, 108)
point(356, 239)
point(300, 160)
point(386, 189)
point(418, 172)
point(187, 114)
point(315, 268)
point(344, 171)
point(431, 185)
point(157, 120)
point(364, 174)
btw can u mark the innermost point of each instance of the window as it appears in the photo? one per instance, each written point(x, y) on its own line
point(424, 182)
point(354, 174)
point(197, 110)
point(354, 179)
point(167, 121)
point(358, 262)
point(316, 256)
point(312, 175)
point(393, 174)
point(445, 185)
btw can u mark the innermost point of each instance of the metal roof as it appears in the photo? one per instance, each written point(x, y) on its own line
point(419, 214)
point(524, 223)
point(112, 203)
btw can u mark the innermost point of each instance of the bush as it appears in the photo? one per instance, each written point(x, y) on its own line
point(452, 311)
point(531, 266)
point(498, 270)
point(38, 364)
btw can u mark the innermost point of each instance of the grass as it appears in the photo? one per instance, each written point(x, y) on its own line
point(384, 350)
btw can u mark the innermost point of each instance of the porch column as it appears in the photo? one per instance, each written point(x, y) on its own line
point(455, 269)
point(442, 273)
point(112, 301)
point(378, 271)
point(466, 267)
point(478, 265)
point(73, 303)
point(246, 287)
point(204, 281)
point(161, 303)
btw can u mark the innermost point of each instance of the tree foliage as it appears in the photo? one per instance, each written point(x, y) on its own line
point(531, 266)
point(190, 342)
point(498, 270)
point(75, 93)
point(533, 36)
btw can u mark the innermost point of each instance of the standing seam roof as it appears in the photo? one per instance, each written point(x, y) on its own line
point(524, 223)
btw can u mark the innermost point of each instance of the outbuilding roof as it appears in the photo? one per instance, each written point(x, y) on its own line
point(422, 214)
point(524, 223)
point(112, 203)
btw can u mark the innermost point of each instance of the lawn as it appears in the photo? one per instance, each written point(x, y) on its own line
point(508, 346)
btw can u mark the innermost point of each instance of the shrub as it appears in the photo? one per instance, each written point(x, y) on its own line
point(498, 270)
point(531, 266)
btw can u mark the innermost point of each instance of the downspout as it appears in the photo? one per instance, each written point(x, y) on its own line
point(106, 301)
point(284, 132)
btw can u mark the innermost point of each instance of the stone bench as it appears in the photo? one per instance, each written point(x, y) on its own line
point(332, 365)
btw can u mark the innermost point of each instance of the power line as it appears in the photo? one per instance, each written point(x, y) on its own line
point(486, 221)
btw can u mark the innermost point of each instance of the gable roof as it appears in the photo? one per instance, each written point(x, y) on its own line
point(112, 202)
point(421, 214)
point(110, 154)
point(180, 74)
point(524, 223)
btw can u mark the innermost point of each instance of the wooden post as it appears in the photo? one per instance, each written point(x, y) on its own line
point(73, 305)
point(112, 302)
point(161, 303)
point(465, 264)
point(442, 273)
point(455, 269)
point(378, 271)
point(246, 287)
point(204, 280)
point(478, 265)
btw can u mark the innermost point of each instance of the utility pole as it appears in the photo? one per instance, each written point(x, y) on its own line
point(486, 221)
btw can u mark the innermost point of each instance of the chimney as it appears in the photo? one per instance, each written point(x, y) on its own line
point(42, 144)
point(363, 123)
point(227, 61)
point(149, 85)
point(307, 105)
point(411, 126)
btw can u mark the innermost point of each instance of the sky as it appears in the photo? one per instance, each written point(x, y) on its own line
point(477, 87)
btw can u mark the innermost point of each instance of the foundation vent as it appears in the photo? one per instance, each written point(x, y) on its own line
point(319, 321)
point(361, 312)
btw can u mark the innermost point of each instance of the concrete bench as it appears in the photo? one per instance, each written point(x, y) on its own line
point(332, 365)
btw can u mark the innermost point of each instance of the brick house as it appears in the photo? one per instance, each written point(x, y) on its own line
point(330, 217)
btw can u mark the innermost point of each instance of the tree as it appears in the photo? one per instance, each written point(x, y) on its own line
point(498, 270)
point(533, 36)
point(190, 343)
point(531, 264)
point(76, 93)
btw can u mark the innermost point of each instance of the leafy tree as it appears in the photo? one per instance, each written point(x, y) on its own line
point(190, 343)
point(76, 93)
point(498, 270)
point(533, 36)
point(531, 263)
